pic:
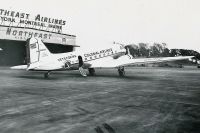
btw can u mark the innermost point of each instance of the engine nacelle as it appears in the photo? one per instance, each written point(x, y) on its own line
point(67, 65)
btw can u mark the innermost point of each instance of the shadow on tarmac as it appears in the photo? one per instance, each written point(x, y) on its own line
point(60, 76)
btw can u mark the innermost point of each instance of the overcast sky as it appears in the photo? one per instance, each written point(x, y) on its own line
point(97, 23)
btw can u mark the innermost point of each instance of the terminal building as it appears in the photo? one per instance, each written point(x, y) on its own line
point(15, 30)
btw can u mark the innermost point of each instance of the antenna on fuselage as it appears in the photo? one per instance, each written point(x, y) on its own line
point(121, 45)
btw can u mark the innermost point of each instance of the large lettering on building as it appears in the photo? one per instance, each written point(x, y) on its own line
point(22, 34)
point(21, 19)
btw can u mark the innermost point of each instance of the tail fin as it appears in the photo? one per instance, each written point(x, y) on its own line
point(36, 51)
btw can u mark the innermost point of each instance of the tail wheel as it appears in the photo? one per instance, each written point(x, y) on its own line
point(46, 75)
point(91, 71)
point(121, 71)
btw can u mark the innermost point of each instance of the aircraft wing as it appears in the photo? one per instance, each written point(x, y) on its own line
point(127, 60)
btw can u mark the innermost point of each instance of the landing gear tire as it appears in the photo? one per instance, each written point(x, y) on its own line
point(46, 75)
point(91, 71)
point(121, 71)
point(82, 72)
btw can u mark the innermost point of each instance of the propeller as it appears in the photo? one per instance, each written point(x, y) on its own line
point(80, 63)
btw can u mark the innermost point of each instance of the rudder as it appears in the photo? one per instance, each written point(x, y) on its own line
point(36, 51)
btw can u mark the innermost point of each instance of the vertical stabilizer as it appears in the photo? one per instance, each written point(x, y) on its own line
point(37, 52)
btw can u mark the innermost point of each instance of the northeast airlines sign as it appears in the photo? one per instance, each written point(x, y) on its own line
point(21, 19)
point(22, 34)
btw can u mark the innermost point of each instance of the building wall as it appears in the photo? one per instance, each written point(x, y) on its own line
point(22, 34)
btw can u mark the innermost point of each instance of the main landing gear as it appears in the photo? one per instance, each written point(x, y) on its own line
point(91, 71)
point(121, 71)
point(47, 74)
point(80, 63)
point(82, 72)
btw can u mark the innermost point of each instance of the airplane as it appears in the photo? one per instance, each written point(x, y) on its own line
point(39, 58)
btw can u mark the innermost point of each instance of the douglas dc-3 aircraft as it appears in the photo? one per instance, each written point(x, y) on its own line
point(40, 59)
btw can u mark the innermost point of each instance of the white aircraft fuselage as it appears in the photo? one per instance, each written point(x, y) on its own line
point(40, 59)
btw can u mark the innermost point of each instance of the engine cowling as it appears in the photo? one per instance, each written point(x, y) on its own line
point(67, 65)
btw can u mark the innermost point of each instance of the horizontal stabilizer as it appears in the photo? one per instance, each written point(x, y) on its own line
point(20, 67)
point(33, 65)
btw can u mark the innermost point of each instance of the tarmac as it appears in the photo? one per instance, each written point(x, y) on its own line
point(147, 100)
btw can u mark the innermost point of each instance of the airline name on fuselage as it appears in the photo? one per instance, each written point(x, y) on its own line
point(67, 58)
point(87, 55)
point(98, 52)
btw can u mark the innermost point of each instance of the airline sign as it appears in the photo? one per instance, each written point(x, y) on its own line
point(22, 34)
point(21, 19)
